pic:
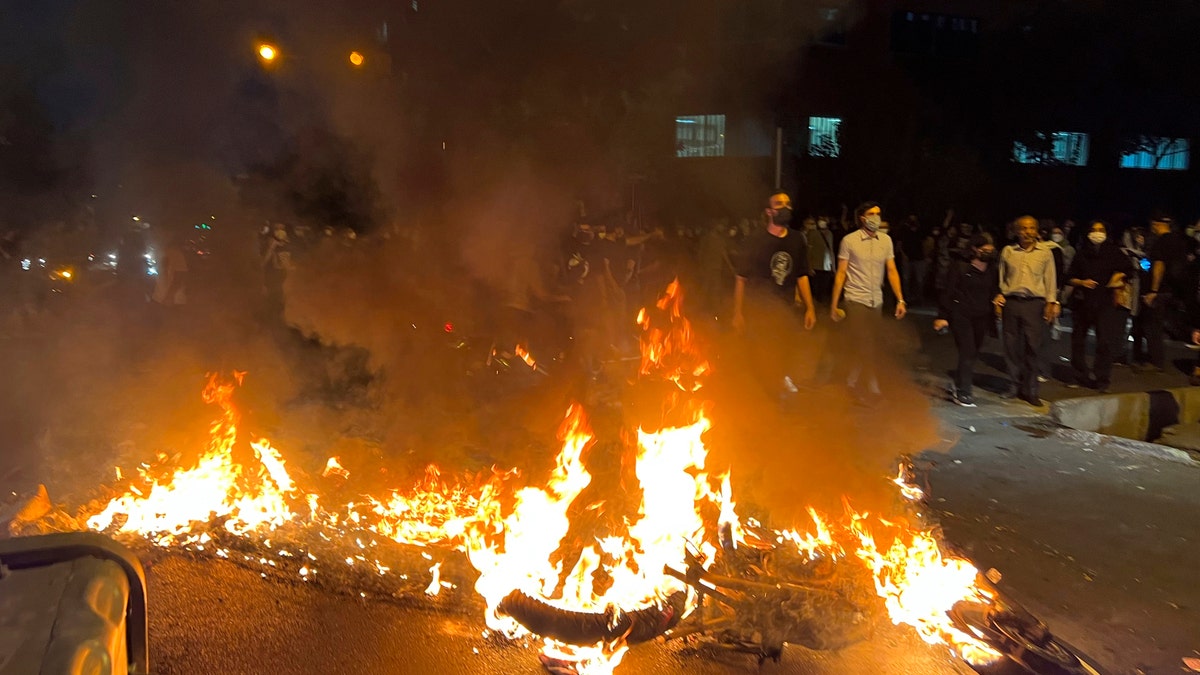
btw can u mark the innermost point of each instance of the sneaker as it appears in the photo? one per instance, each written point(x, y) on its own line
point(1073, 385)
point(1008, 394)
point(789, 386)
point(1033, 400)
point(1043, 379)
point(965, 400)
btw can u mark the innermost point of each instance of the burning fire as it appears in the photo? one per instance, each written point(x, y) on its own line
point(243, 496)
point(554, 543)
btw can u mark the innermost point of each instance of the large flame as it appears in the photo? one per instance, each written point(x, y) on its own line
point(532, 539)
point(244, 497)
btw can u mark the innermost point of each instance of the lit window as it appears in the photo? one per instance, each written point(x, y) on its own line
point(1060, 147)
point(1156, 152)
point(823, 137)
point(700, 136)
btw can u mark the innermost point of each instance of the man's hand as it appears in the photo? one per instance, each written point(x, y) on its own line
point(940, 324)
point(837, 314)
point(1148, 299)
point(739, 322)
point(1088, 283)
point(1196, 336)
point(810, 318)
point(1050, 313)
point(901, 310)
point(998, 301)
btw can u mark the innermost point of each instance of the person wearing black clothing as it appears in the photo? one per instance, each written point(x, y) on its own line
point(1097, 271)
point(1168, 280)
point(966, 307)
point(771, 268)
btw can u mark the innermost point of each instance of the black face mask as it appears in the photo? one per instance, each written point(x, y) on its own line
point(987, 257)
point(782, 216)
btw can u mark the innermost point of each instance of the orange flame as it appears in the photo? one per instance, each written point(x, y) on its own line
point(516, 539)
point(522, 352)
point(670, 349)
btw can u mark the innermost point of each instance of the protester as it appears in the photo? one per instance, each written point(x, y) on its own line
point(1029, 301)
point(820, 256)
point(1097, 272)
point(966, 307)
point(772, 267)
point(1167, 282)
point(865, 258)
point(911, 242)
point(276, 263)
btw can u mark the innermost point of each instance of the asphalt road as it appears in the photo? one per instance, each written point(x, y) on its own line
point(1097, 537)
point(214, 616)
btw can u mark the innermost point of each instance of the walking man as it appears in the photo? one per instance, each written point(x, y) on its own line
point(1168, 283)
point(772, 269)
point(1028, 299)
point(865, 257)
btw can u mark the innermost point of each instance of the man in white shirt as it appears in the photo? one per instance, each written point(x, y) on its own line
point(865, 258)
point(1029, 300)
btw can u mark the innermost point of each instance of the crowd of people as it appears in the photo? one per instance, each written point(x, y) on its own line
point(775, 275)
point(1132, 289)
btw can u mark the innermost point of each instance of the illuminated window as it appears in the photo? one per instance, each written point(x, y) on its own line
point(1060, 147)
point(823, 137)
point(1156, 152)
point(700, 136)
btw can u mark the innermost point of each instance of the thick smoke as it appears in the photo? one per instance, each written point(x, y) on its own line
point(454, 172)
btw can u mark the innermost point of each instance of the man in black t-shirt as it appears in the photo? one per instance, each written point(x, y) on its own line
point(772, 267)
point(774, 261)
point(1167, 287)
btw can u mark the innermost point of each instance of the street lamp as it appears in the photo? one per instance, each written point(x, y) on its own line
point(356, 59)
point(267, 52)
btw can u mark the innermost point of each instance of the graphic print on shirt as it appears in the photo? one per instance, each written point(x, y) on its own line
point(781, 267)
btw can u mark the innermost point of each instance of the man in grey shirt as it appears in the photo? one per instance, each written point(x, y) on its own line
point(865, 257)
point(1028, 299)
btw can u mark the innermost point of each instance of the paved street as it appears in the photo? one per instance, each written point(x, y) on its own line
point(214, 616)
point(1095, 536)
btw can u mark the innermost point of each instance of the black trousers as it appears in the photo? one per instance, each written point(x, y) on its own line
point(1109, 323)
point(1024, 327)
point(969, 332)
point(1153, 320)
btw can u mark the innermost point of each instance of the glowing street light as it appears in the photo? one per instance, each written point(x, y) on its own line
point(356, 59)
point(267, 52)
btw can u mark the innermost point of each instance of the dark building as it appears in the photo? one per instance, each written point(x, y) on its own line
point(993, 107)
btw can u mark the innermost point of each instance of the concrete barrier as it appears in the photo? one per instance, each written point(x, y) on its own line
point(1141, 416)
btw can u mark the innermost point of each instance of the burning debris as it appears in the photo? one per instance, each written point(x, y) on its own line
point(630, 537)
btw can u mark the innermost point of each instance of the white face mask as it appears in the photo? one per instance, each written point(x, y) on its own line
point(1097, 237)
point(1056, 238)
point(872, 222)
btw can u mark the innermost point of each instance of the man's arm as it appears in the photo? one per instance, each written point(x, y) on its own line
point(1157, 269)
point(810, 312)
point(1001, 278)
point(893, 276)
point(1051, 290)
point(839, 281)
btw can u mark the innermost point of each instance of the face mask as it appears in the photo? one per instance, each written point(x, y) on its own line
point(782, 216)
point(872, 223)
point(1056, 238)
point(823, 224)
point(1097, 238)
point(986, 255)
